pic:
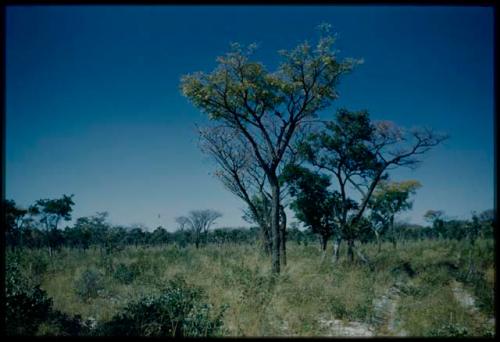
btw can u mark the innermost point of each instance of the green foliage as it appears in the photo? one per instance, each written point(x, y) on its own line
point(450, 330)
point(61, 324)
point(29, 311)
point(248, 82)
point(89, 284)
point(25, 307)
point(388, 199)
point(178, 311)
point(125, 274)
point(52, 210)
point(313, 204)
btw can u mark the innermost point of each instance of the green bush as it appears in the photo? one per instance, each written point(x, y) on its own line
point(177, 311)
point(29, 310)
point(25, 308)
point(61, 324)
point(89, 284)
point(125, 274)
point(450, 330)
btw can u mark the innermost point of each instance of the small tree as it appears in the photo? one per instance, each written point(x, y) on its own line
point(14, 219)
point(359, 153)
point(388, 199)
point(436, 217)
point(51, 211)
point(313, 204)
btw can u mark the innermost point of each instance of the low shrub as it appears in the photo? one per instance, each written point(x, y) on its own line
point(89, 284)
point(177, 311)
point(125, 274)
point(450, 330)
point(29, 310)
point(25, 308)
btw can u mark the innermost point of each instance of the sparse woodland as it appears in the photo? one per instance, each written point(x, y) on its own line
point(343, 266)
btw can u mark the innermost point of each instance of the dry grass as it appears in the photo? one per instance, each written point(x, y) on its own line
point(261, 304)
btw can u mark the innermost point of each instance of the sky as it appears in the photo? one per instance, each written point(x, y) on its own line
point(94, 109)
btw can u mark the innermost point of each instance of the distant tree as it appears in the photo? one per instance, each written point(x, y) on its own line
point(474, 228)
point(14, 219)
point(51, 212)
point(159, 236)
point(436, 217)
point(182, 222)
point(198, 222)
point(359, 153)
point(487, 220)
point(90, 230)
point(267, 109)
point(388, 199)
point(135, 235)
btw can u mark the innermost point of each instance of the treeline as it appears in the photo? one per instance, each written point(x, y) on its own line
point(37, 227)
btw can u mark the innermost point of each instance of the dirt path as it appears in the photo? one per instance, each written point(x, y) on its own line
point(464, 297)
point(337, 327)
point(384, 321)
point(385, 313)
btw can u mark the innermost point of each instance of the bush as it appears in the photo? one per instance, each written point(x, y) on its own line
point(25, 308)
point(89, 284)
point(29, 309)
point(450, 330)
point(124, 274)
point(61, 324)
point(178, 311)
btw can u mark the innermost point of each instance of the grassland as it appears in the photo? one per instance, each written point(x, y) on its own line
point(410, 291)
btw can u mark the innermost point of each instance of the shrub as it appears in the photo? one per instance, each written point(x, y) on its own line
point(89, 284)
point(25, 308)
point(29, 309)
point(124, 274)
point(61, 324)
point(177, 311)
point(450, 330)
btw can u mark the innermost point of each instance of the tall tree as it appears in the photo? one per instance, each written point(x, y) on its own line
point(388, 199)
point(267, 109)
point(359, 153)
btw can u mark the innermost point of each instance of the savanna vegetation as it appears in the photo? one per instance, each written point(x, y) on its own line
point(100, 279)
point(378, 277)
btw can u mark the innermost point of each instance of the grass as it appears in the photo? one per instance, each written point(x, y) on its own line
point(260, 304)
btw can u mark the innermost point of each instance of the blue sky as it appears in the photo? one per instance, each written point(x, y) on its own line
point(93, 106)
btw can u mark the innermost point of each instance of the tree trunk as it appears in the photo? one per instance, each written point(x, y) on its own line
point(379, 243)
point(283, 235)
point(350, 250)
point(265, 238)
point(275, 225)
point(363, 259)
point(324, 242)
point(336, 249)
point(393, 233)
